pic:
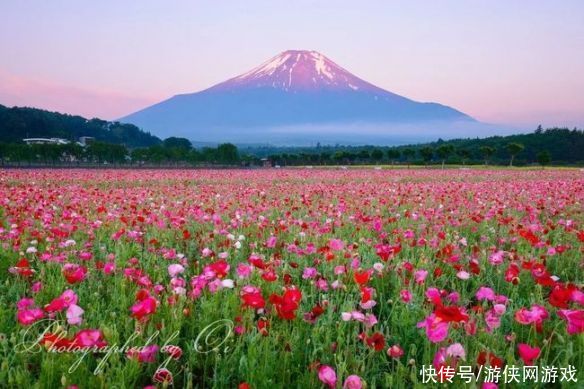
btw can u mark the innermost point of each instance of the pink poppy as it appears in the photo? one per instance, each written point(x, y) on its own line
point(353, 382)
point(28, 314)
point(109, 268)
point(175, 269)
point(62, 302)
point(406, 296)
point(74, 313)
point(436, 329)
point(485, 293)
point(575, 319)
point(327, 375)
point(536, 315)
point(496, 258)
point(456, 350)
point(309, 272)
point(89, 338)
point(146, 354)
point(271, 242)
point(528, 353)
point(420, 276)
point(336, 244)
point(395, 351)
point(243, 270)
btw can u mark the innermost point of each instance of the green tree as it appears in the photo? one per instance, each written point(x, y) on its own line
point(177, 143)
point(427, 153)
point(544, 158)
point(364, 156)
point(377, 155)
point(195, 156)
point(324, 157)
point(487, 152)
point(106, 152)
point(393, 154)
point(514, 149)
point(464, 154)
point(339, 156)
point(444, 152)
point(139, 155)
point(227, 153)
point(73, 152)
point(158, 154)
point(408, 154)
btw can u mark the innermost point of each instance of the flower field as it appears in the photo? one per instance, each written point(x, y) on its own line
point(291, 278)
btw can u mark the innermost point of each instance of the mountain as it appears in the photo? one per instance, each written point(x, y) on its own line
point(17, 123)
point(297, 96)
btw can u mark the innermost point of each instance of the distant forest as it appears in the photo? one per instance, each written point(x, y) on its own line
point(126, 144)
point(561, 146)
point(20, 122)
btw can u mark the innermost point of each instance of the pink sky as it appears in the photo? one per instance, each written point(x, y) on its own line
point(505, 62)
point(102, 103)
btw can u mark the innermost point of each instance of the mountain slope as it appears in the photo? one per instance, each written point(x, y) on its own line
point(295, 88)
point(17, 123)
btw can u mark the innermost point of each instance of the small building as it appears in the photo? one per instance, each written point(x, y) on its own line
point(266, 162)
point(45, 141)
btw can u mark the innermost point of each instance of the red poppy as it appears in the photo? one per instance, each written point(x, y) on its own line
point(560, 295)
point(253, 300)
point(529, 236)
point(450, 314)
point(220, 267)
point(263, 324)
point(174, 351)
point(376, 341)
point(362, 277)
point(74, 273)
point(287, 304)
point(490, 358)
point(366, 294)
point(257, 262)
point(163, 376)
point(512, 274)
point(22, 268)
point(55, 341)
point(270, 276)
point(144, 307)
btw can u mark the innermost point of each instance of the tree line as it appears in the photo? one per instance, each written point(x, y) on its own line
point(558, 146)
point(422, 155)
point(172, 151)
point(554, 145)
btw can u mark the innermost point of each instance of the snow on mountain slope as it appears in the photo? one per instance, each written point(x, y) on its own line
point(299, 70)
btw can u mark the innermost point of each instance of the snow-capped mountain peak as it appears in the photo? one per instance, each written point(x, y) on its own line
point(295, 70)
point(296, 95)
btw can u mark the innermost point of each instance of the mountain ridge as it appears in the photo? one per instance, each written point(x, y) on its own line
point(293, 88)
